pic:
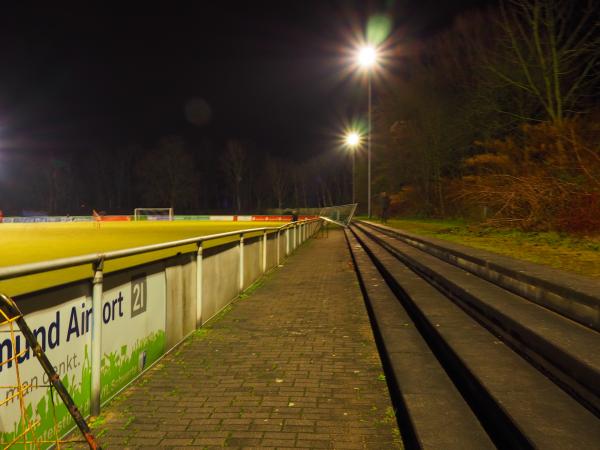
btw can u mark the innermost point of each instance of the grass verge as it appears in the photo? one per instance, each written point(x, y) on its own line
point(577, 254)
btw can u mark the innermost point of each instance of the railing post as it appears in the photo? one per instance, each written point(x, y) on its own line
point(96, 359)
point(241, 247)
point(199, 283)
point(287, 241)
point(264, 252)
point(278, 247)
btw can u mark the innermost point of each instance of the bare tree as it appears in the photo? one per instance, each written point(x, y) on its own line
point(552, 51)
point(277, 172)
point(167, 175)
point(233, 163)
point(58, 178)
point(124, 159)
point(111, 168)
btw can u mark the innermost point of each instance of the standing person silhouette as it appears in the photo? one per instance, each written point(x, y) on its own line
point(385, 207)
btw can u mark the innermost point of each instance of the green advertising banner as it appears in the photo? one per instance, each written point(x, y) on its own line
point(133, 327)
point(133, 337)
point(64, 333)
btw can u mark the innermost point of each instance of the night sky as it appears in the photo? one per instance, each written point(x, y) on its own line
point(271, 72)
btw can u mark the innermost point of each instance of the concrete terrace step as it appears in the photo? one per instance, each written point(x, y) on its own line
point(502, 385)
point(434, 414)
point(574, 296)
point(559, 345)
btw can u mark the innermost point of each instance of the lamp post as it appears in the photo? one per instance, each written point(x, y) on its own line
point(367, 58)
point(353, 141)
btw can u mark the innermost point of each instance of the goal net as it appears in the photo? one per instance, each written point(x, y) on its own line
point(153, 214)
point(341, 215)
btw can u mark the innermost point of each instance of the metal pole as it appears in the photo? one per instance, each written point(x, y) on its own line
point(96, 359)
point(287, 241)
point(199, 286)
point(353, 175)
point(278, 247)
point(264, 252)
point(241, 262)
point(369, 153)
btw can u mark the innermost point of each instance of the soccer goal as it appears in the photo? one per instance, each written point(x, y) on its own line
point(153, 214)
point(341, 215)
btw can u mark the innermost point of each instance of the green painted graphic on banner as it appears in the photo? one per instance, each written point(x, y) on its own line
point(54, 419)
point(133, 337)
point(119, 368)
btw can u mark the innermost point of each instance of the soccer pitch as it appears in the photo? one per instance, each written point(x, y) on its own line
point(22, 243)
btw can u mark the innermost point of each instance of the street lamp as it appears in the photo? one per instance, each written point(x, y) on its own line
point(353, 141)
point(367, 59)
point(367, 56)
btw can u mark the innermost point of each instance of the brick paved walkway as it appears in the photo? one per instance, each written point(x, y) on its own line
point(293, 365)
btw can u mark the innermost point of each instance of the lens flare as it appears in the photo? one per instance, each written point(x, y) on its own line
point(379, 28)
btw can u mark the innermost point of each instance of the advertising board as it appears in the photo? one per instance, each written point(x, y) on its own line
point(133, 337)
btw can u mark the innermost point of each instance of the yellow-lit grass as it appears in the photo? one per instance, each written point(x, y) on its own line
point(34, 242)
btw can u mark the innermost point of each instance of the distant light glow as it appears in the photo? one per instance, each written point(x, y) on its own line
point(367, 56)
point(352, 139)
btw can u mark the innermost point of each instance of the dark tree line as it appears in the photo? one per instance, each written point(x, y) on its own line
point(230, 176)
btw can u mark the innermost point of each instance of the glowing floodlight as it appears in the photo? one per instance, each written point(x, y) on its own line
point(352, 139)
point(367, 56)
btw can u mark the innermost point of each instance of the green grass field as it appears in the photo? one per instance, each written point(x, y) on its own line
point(34, 242)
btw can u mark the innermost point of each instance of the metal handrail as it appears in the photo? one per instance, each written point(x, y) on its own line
point(63, 263)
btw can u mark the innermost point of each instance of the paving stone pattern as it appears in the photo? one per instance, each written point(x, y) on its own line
point(292, 365)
